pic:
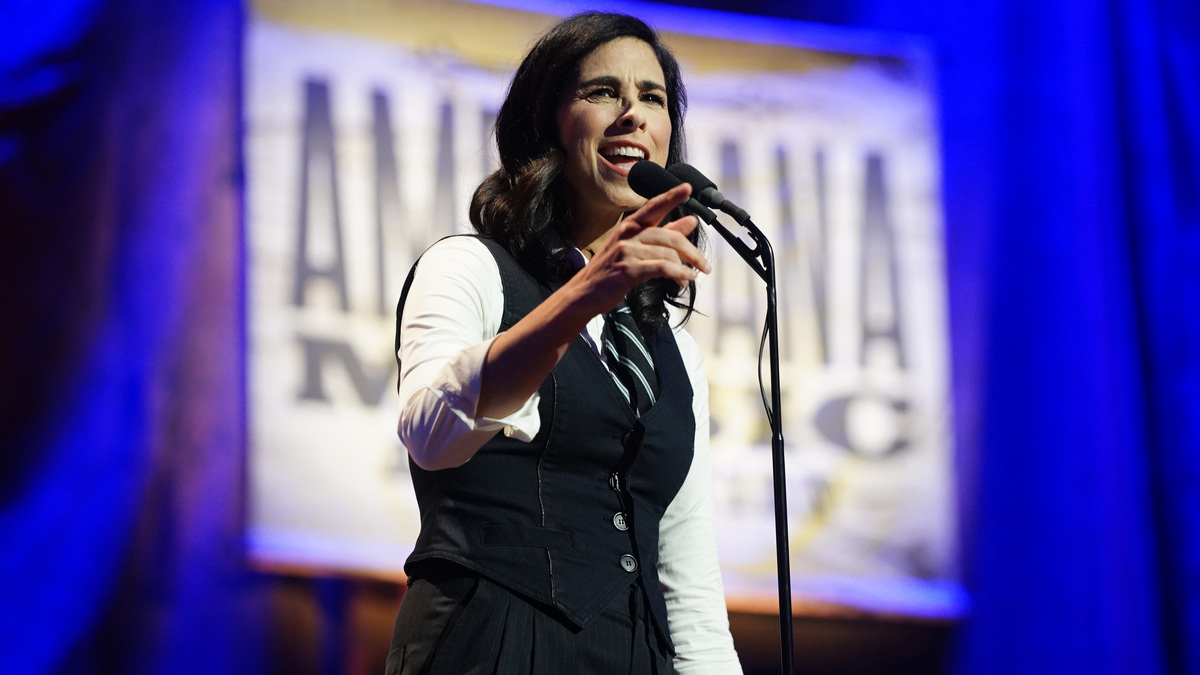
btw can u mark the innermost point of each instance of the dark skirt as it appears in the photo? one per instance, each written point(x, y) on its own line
point(455, 622)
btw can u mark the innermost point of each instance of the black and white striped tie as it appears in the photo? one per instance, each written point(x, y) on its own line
point(628, 359)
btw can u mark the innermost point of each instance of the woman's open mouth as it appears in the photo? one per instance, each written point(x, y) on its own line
point(622, 156)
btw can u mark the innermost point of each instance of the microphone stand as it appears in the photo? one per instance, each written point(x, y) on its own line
point(761, 259)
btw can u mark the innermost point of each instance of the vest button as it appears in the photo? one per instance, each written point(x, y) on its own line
point(614, 482)
point(628, 563)
point(619, 521)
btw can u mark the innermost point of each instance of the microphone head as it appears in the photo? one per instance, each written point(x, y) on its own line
point(649, 179)
point(689, 174)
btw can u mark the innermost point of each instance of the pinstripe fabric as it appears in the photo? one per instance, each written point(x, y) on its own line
point(629, 360)
point(456, 623)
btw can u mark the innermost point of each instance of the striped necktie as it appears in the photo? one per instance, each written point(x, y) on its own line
point(629, 360)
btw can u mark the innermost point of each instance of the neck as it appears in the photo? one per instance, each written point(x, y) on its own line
point(591, 233)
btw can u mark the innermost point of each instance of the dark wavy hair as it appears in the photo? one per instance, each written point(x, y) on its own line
point(524, 205)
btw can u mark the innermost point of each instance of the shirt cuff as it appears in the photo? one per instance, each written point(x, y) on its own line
point(457, 386)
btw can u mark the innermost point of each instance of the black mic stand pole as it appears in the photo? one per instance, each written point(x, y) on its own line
point(762, 260)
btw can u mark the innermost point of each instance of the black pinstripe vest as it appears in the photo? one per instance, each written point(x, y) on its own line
point(570, 519)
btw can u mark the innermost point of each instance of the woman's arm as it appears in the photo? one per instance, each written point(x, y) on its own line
point(635, 250)
point(447, 412)
point(451, 315)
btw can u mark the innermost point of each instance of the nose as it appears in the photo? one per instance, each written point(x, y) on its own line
point(632, 117)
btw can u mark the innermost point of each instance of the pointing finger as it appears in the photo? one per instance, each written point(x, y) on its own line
point(652, 212)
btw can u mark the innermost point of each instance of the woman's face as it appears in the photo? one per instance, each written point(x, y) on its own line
point(612, 115)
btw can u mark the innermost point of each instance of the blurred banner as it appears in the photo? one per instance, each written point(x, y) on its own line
point(368, 126)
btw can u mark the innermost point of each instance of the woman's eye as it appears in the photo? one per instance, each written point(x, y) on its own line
point(603, 92)
point(656, 99)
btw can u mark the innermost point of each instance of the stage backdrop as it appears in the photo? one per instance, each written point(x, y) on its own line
point(367, 127)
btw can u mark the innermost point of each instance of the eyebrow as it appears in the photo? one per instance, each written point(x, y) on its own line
point(611, 81)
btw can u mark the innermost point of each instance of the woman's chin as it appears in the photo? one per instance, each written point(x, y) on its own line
point(613, 197)
point(630, 200)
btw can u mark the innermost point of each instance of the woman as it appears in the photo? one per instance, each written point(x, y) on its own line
point(560, 459)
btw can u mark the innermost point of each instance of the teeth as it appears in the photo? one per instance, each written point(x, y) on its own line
point(625, 151)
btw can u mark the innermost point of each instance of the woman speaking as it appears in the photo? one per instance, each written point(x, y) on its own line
point(557, 425)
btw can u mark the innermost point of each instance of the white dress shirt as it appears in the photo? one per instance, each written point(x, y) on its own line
point(450, 318)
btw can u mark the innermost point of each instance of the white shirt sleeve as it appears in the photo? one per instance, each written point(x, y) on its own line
point(687, 557)
point(450, 317)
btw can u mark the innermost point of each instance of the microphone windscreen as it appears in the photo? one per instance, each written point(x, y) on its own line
point(649, 179)
point(690, 174)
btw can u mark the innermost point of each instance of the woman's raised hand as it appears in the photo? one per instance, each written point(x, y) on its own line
point(637, 249)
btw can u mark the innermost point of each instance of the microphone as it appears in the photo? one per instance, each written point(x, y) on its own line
point(650, 180)
point(706, 191)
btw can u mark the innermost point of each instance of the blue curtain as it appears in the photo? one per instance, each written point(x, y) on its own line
point(1071, 148)
point(1071, 156)
point(121, 419)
